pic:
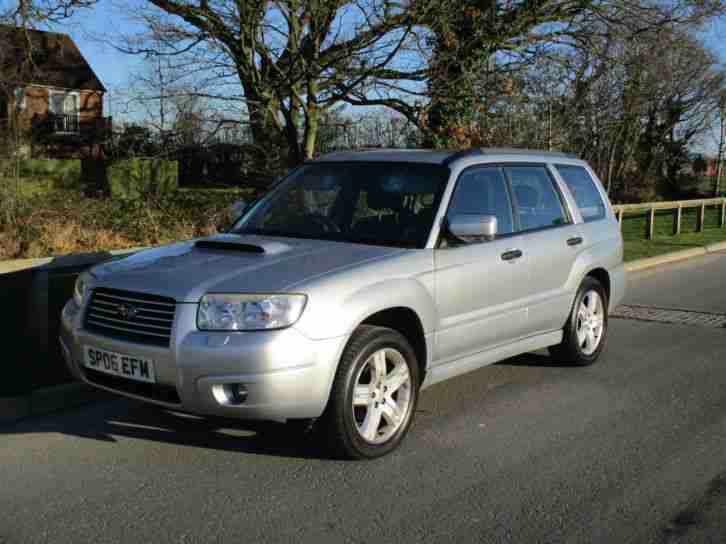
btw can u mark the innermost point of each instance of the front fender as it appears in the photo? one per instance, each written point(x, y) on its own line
point(340, 316)
point(405, 293)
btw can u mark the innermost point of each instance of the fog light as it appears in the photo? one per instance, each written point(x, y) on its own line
point(230, 393)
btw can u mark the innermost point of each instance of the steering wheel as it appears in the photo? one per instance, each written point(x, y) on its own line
point(325, 223)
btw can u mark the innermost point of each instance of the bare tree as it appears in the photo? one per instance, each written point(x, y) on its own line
point(474, 52)
point(286, 61)
point(30, 13)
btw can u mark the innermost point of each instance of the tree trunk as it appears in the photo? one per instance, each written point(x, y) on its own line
point(719, 165)
point(451, 106)
point(312, 118)
point(270, 157)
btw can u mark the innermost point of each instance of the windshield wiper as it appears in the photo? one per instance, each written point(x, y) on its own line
point(377, 242)
point(282, 234)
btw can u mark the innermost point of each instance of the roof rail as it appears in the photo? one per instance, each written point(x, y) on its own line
point(474, 151)
point(478, 151)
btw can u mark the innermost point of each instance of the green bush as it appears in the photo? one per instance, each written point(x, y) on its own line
point(53, 173)
point(135, 178)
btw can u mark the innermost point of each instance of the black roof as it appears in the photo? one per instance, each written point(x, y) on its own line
point(54, 60)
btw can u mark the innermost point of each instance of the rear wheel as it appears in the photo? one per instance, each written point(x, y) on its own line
point(586, 329)
point(374, 394)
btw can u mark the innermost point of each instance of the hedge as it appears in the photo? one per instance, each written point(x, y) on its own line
point(56, 173)
point(132, 178)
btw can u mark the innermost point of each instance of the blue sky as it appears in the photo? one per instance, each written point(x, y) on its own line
point(106, 19)
point(715, 37)
point(88, 28)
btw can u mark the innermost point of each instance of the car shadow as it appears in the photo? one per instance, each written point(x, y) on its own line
point(538, 359)
point(124, 418)
point(117, 418)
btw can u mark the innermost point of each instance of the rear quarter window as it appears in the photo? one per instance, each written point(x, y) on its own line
point(583, 189)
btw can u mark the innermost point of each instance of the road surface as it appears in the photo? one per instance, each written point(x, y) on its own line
point(632, 449)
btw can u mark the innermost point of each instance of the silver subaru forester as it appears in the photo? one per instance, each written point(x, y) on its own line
point(356, 282)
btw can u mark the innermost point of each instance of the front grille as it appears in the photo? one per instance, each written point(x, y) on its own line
point(127, 315)
point(162, 393)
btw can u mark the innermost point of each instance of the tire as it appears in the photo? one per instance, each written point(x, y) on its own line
point(584, 334)
point(385, 401)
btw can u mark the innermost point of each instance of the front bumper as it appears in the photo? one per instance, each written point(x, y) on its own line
point(286, 374)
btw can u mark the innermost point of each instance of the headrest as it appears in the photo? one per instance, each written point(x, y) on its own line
point(526, 196)
point(379, 199)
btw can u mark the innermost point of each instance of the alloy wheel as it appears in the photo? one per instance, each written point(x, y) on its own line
point(590, 321)
point(382, 396)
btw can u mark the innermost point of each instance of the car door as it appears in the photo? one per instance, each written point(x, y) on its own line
point(550, 239)
point(590, 198)
point(481, 286)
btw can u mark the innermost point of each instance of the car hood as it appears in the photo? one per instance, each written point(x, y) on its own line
point(231, 263)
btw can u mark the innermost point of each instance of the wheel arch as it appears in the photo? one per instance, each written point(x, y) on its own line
point(405, 321)
point(602, 276)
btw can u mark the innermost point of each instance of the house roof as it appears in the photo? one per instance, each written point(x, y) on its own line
point(55, 61)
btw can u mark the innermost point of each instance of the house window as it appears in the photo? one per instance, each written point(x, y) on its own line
point(63, 109)
point(63, 103)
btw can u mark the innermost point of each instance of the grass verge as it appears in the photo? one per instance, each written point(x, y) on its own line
point(637, 247)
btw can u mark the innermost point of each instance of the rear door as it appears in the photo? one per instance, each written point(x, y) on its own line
point(551, 240)
point(481, 286)
point(590, 200)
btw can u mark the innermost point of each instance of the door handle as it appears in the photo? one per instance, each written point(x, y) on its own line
point(511, 255)
point(574, 241)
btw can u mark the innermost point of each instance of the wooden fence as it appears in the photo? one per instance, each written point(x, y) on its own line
point(650, 209)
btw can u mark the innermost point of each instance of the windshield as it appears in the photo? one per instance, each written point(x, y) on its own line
point(368, 203)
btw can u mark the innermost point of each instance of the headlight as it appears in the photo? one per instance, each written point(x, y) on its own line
point(219, 312)
point(79, 291)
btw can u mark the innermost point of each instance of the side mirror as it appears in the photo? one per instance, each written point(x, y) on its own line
point(472, 227)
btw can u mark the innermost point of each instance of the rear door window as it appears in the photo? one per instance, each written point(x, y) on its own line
point(583, 189)
point(538, 202)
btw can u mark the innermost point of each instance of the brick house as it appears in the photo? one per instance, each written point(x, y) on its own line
point(50, 98)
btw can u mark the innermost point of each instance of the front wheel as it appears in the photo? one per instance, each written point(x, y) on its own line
point(586, 328)
point(374, 394)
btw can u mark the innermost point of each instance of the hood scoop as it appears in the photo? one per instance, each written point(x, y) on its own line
point(248, 244)
point(229, 246)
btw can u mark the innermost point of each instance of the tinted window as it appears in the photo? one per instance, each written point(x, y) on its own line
point(483, 191)
point(538, 203)
point(368, 203)
point(582, 187)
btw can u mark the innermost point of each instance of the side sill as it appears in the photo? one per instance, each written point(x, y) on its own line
point(478, 360)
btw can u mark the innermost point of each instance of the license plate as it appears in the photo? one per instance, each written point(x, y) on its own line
point(132, 367)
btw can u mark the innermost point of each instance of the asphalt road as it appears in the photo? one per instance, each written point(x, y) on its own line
point(632, 449)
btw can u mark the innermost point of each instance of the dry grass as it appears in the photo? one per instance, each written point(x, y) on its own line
point(64, 222)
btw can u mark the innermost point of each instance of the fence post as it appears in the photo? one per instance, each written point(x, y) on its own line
point(677, 213)
point(722, 219)
point(620, 218)
point(650, 224)
point(701, 218)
